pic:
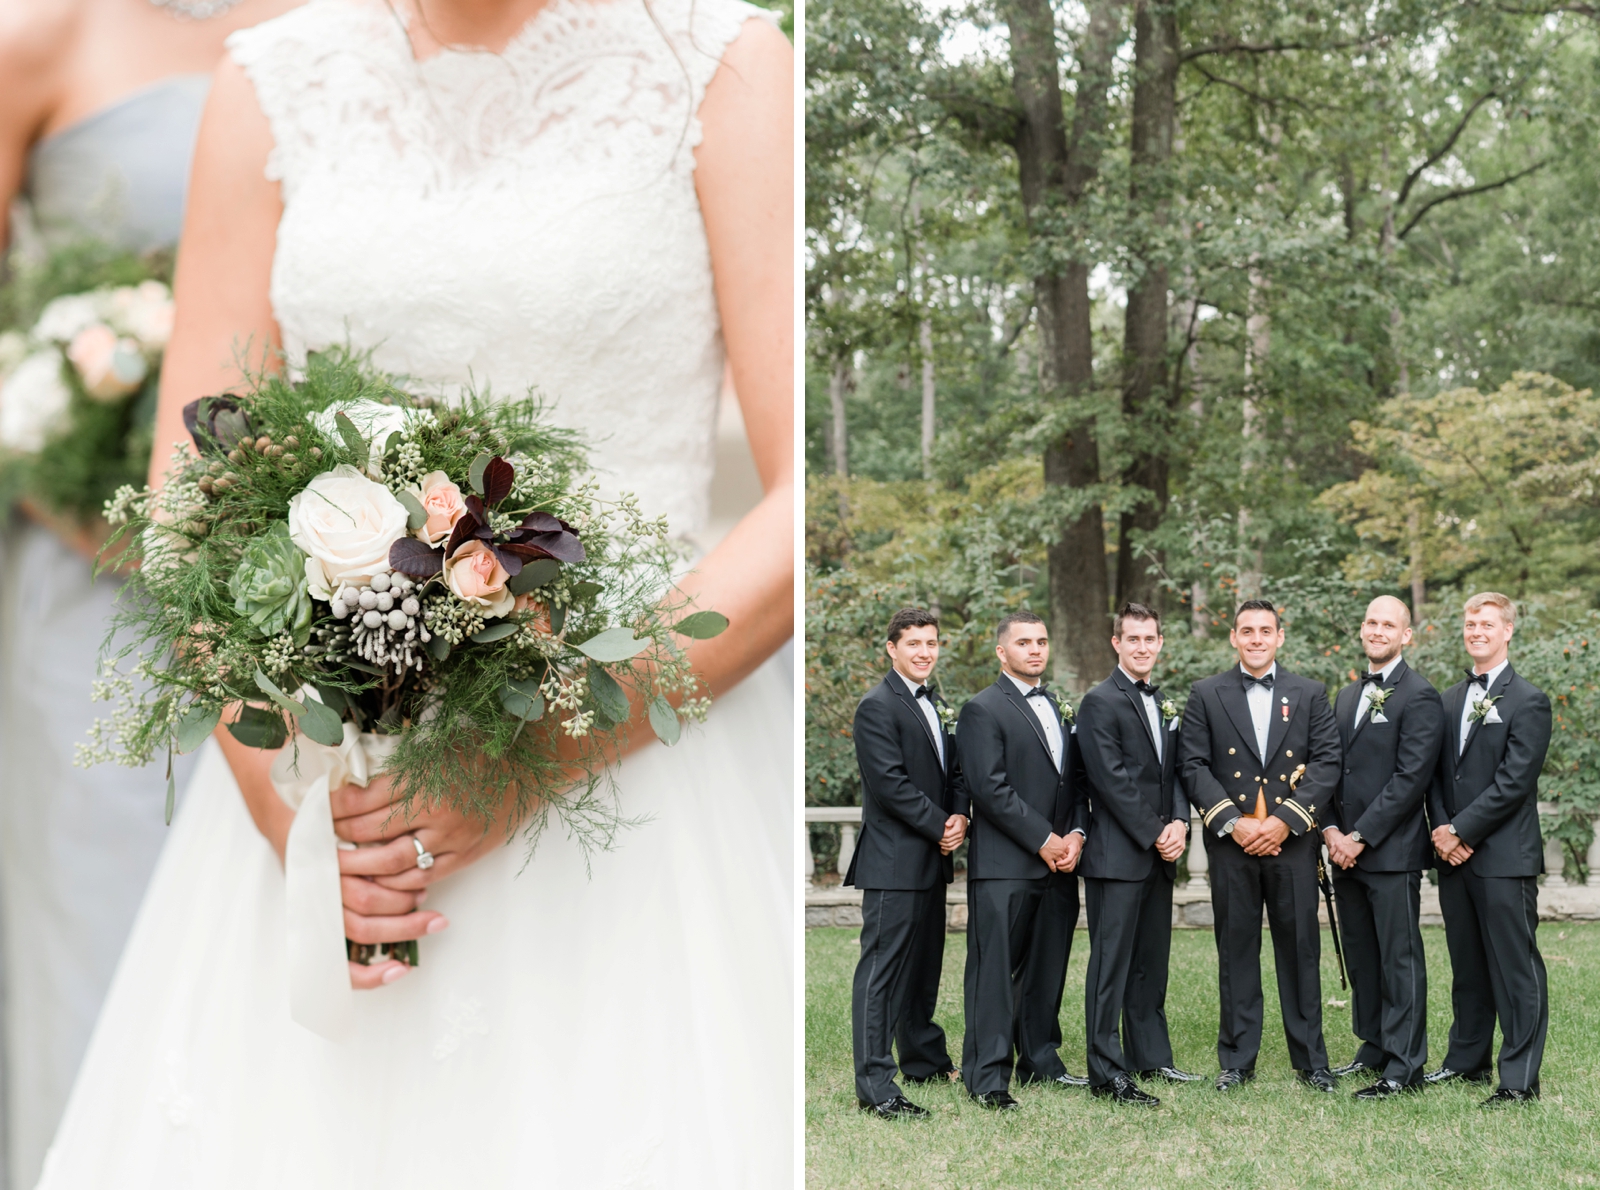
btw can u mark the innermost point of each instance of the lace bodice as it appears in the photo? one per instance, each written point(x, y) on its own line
point(526, 218)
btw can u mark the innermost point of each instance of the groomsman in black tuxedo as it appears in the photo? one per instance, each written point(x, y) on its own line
point(1138, 827)
point(1259, 758)
point(1391, 724)
point(913, 816)
point(1484, 809)
point(1028, 823)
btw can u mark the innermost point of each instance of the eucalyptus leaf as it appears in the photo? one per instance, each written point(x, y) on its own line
point(494, 632)
point(353, 440)
point(614, 644)
point(416, 515)
point(256, 728)
point(322, 724)
point(585, 590)
point(558, 620)
point(534, 575)
point(701, 625)
point(439, 648)
point(610, 699)
point(335, 699)
point(522, 699)
point(270, 688)
point(172, 795)
point(664, 720)
point(195, 726)
point(475, 472)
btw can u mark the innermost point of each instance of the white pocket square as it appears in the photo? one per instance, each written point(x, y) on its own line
point(1380, 717)
point(1493, 716)
point(1172, 725)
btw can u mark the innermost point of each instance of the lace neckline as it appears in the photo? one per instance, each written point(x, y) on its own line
point(521, 43)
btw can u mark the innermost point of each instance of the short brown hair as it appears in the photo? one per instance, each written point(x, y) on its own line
point(910, 617)
point(1134, 611)
point(1017, 617)
point(1485, 599)
point(1258, 605)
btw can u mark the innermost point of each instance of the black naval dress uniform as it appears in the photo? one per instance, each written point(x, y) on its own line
point(910, 784)
point(1389, 761)
point(1226, 774)
point(1488, 790)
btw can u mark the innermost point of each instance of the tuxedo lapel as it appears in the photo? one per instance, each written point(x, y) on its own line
point(1497, 690)
point(1344, 712)
point(911, 708)
point(1020, 702)
point(1136, 700)
point(1231, 694)
point(1277, 721)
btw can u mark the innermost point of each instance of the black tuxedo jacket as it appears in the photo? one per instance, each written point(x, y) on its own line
point(1490, 791)
point(1388, 768)
point(1132, 795)
point(1018, 798)
point(1217, 760)
point(906, 794)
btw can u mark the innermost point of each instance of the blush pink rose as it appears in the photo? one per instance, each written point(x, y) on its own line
point(476, 576)
point(109, 367)
point(443, 503)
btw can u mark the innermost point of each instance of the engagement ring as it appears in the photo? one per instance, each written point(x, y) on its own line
point(424, 856)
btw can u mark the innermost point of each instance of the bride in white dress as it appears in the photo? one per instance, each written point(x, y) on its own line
point(597, 205)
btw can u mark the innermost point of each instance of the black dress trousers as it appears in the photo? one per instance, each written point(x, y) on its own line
point(1378, 921)
point(1044, 978)
point(1286, 884)
point(1001, 916)
point(1130, 926)
point(896, 986)
point(1490, 925)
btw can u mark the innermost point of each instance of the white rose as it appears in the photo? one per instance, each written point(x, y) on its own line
point(13, 350)
point(143, 311)
point(66, 316)
point(375, 421)
point(346, 524)
point(33, 402)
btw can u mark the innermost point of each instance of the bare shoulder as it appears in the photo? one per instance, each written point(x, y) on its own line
point(755, 81)
point(36, 39)
point(233, 129)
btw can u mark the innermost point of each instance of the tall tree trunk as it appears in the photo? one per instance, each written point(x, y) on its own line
point(1419, 592)
point(838, 385)
point(1257, 347)
point(1057, 173)
point(925, 341)
point(1146, 398)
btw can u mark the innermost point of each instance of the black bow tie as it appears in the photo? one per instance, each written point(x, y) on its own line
point(1474, 678)
point(1265, 680)
point(922, 692)
point(1375, 678)
point(1036, 692)
point(1146, 688)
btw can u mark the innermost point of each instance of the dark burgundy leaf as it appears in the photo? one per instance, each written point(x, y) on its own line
point(216, 423)
point(509, 560)
point(561, 545)
point(523, 550)
point(476, 508)
point(497, 477)
point(465, 528)
point(486, 533)
point(542, 522)
point(416, 558)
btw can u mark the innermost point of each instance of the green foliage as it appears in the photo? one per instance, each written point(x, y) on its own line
point(269, 585)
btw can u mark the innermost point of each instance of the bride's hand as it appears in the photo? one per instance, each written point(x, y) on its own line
point(369, 816)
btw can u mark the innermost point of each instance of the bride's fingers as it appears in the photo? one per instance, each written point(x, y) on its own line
point(399, 928)
point(365, 897)
point(414, 879)
point(374, 826)
point(364, 978)
point(350, 800)
point(389, 859)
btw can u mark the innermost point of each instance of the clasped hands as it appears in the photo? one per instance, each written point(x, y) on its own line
point(955, 829)
point(1450, 847)
point(1260, 836)
point(1061, 855)
point(381, 886)
point(1342, 850)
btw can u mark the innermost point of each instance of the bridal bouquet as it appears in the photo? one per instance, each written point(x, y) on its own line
point(78, 379)
point(357, 566)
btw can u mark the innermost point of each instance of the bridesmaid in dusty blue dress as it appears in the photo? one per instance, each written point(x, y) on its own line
point(99, 104)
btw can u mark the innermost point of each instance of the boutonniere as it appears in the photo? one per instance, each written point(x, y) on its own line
point(1380, 695)
point(1068, 715)
point(947, 715)
point(1485, 711)
point(1169, 710)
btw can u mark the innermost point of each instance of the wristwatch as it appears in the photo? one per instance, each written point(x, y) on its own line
point(1355, 837)
point(1451, 827)
point(1227, 827)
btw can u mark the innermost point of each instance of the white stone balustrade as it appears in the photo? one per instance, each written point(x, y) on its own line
point(849, 819)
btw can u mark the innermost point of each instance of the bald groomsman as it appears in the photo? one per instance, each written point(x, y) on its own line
point(1391, 724)
point(1259, 758)
point(1484, 807)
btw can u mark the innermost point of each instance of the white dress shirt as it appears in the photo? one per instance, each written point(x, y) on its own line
point(1151, 712)
point(1048, 719)
point(1475, 695)
point(929, 712)
point(1367, 688)
point(1260, 700)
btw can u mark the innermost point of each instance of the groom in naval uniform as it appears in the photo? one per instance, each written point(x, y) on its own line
point(1259, 758)
point(913, 816)
point(1138, 827)
point(1483, 804)
point(1391, 724)
point(1028, 823)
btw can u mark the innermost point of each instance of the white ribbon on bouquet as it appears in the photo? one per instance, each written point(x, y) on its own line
point(305, 775)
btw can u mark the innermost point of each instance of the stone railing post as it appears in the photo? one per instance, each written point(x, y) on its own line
point(847, 846)
point(811, 860)
point(1199, 862)
point(1593, 858)
point(1554, 857)
point(849, 820)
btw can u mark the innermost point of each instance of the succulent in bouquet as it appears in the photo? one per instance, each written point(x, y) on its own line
point(343, 564)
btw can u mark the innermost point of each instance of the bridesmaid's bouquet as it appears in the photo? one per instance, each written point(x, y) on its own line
point(347, 565)
point(81, 341)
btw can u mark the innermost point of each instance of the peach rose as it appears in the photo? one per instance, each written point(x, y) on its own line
point(442, 501)
point(476, 576)
point(109, 367)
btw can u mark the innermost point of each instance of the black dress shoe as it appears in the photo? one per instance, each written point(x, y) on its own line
point(944, 1076)
point(1318, 1080)
point(1384, 1088)
point(1445, 1075)
point(898, 1108)
point(995, 1100)
point(1229, 1079)
point(1356, 1067)
point(1060, 1080)
point(1507, 1095)
point(1172, 1074)
point(1122, 1089)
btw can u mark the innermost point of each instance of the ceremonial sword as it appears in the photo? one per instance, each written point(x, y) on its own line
point(1327, 893)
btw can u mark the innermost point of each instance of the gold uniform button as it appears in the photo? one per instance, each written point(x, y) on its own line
point(1230, 753)
point(1281, 777)
point(1279, 800)
point(1288, 751)
point(1236, 774)
point(1241, 797)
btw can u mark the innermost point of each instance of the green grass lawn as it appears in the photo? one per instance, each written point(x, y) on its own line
point(1271, 1133)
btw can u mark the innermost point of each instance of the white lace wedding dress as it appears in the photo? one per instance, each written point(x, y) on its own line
point(520, 218)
